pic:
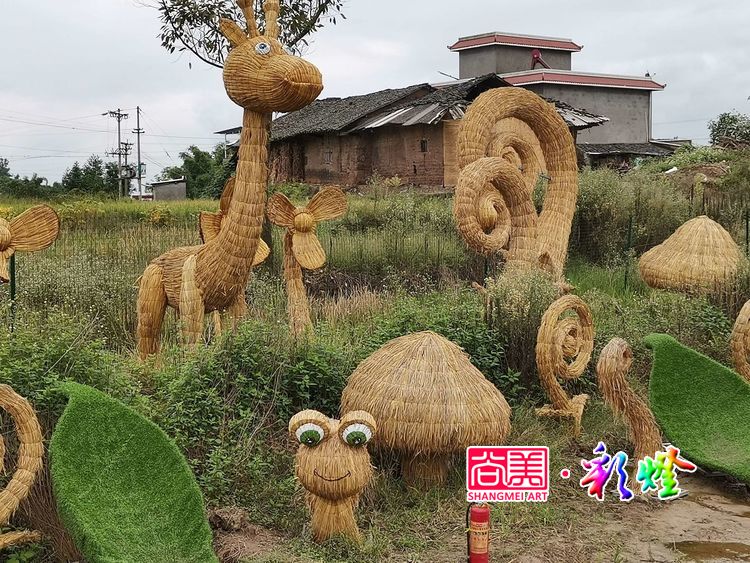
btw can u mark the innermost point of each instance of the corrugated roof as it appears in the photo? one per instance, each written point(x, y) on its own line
point(515, 40)
point(526, 77)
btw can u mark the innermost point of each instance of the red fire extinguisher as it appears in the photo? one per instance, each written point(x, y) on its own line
point(478, 533)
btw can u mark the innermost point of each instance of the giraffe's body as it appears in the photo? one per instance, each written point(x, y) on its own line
point(194, 280)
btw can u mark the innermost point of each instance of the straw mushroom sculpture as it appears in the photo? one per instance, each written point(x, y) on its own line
point(429, 402)
point(611, 370)
point(34, 229)
point(333, 465)
point(740, 342)
point(563, 350)
point(699, 256)
point(30, 454)
point(509, 138)
point(261, 77)
point(302, 248)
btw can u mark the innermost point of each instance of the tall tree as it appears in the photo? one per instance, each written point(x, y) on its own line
point(73, 178)
point(4, 168)
point(730, 127)
point(93, 175)
point(200, 169)
point(192, 25)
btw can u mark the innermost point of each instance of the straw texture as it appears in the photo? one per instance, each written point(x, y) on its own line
point(333, 465)
point(700, 256)
point(302, 248)
point(34, 229)
point(508, 137)
point(30, 455)
point(429, 401)
point(262, 78)
point(611, 370)
point(558, 341)
point(741, 342)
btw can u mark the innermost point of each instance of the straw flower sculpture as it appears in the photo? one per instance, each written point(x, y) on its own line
point(302, 248)
point(333, 465)
point(509, 138)
point(429, 402)
point(34, 229)
point(261, 77)
point(559, 340)
point(700, 256)
point(741, 342)
point(30, 454)
point(611, 370)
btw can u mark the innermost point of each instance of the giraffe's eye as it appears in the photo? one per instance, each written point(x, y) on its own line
point(310, 434)
point(357, 434)
point(263, 48)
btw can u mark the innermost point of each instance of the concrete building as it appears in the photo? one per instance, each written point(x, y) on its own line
point(169, 190)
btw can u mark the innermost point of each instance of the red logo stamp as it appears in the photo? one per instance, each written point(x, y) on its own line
point(507, 473)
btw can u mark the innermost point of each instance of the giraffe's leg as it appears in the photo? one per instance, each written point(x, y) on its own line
point(191, 305)
point(217, 323)
point(152, 302)
point(238, 309)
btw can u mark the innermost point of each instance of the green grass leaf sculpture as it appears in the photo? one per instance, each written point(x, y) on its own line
point(702, 407)
point(124, 490)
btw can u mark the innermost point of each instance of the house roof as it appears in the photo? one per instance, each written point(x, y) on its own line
point(515, 40)
point(554, 76)
point(638, 149)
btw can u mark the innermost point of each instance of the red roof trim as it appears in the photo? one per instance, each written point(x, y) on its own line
point(583, 79)
point(516, 41)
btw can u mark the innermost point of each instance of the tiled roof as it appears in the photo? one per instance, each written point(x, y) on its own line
point(515, 40)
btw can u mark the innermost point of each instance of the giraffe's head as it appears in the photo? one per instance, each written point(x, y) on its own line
point(259, 74)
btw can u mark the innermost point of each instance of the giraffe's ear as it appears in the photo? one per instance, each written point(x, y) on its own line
point(232, 32)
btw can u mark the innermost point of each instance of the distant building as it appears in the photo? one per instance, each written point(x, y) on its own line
point(169, 190)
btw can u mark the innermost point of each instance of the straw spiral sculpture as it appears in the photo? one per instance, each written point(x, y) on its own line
point(302, 248)
point(741, 342)
point(34, 229)
point(700, 256)
point(558, 341)
point(611, 370)
point(333, 466)
point(430, 403)
point(262, 78)
point(30, 454)
point(509, 137)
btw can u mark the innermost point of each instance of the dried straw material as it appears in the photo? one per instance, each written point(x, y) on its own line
point(429, 401)
point(262, 78)
point(558, 341)
point(34, 229)
point(30, 455)
point(611, 370)
point(741, 342)
point(508, 137)
point(699, 256)
point(333, 466)
point(302, 248)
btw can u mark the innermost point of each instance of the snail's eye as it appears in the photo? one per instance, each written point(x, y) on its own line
point(357, 434)
point(263, 48)
point(310, 434)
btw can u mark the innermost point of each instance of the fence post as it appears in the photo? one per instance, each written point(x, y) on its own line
point(13, 292)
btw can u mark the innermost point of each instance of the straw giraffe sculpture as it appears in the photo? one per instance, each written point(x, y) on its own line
point(262, 78)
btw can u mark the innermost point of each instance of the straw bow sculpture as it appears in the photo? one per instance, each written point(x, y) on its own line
point(262, 78)
point(34, 229)
point(30, 454)
point(333, 465)
point(302, 248)
point(508, 139)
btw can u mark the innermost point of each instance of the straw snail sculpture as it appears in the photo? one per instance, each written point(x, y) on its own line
point(34, 229)
point(262, 78)
point(611, 370)
point(333, 466)
point(509, 138)
point(30, 454)
point(559, 340)
point(740, 342)
point(302, 248)
point(429, 402)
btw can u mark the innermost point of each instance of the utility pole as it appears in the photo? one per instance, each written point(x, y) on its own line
point(119, 116)
point(127, 148)
point(138, 131)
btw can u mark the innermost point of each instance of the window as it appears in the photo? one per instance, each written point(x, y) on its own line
point(328, 157)
point(423, 145)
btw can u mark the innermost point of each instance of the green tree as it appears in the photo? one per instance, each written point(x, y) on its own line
point(93, 175)
point(111, 179)
point(4, 168)
point(730, 126)
point(202, 171)
point(72, 180)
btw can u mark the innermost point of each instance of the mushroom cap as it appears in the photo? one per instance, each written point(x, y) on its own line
point(427, 397)
point(699, 255)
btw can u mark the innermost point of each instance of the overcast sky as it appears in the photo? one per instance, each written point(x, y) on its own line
point(63, 63)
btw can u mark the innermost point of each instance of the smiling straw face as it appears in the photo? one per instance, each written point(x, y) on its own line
point(332, 461)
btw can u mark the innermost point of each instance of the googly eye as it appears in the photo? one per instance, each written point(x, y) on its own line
point(357, 434)
point(310, 434)
point(262, 48)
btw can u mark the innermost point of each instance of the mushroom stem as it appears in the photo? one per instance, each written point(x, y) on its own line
point(423, 472)
point(297, 304)
point(333, 518)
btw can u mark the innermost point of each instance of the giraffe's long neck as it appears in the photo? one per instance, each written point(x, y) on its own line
point(229, 257)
